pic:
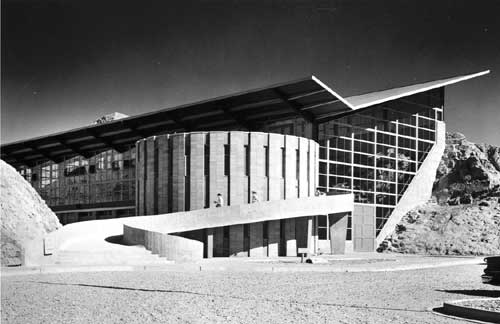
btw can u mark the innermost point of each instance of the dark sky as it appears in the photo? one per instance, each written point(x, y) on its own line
point(67, 62)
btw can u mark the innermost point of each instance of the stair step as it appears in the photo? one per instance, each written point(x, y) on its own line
point(132, 255)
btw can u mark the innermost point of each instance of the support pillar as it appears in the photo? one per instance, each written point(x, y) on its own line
point(309, 232)
point(273, 239)
point(338, 229)
point(209, 243)
point(290, 239)
point(236, 238)
point(256, 240)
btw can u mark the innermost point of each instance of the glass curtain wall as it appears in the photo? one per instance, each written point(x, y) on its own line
point(107, 176)
point(375, 154)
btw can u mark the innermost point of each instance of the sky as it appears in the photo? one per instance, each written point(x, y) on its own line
point(65, 63)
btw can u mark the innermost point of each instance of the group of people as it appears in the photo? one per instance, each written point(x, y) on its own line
point(255, 198)
point(220, 201)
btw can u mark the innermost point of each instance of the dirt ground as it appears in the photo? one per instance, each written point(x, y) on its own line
point(239, 296)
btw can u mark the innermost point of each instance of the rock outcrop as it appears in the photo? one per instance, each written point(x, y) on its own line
point(467, 171)
point(472, 229)
point(464, 216)
point(26, 219)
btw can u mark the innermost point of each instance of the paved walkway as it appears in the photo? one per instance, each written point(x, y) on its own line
point(355, 262)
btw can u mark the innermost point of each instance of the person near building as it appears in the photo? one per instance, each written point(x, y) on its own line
point(319, 192)
point(220, 201)
point(255, 197)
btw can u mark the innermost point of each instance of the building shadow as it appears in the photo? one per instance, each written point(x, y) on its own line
point(473, 292)
point(117, 239)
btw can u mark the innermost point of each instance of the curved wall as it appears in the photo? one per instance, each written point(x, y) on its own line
point(181, 172)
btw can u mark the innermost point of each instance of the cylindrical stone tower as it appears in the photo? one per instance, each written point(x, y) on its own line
point(180, 172)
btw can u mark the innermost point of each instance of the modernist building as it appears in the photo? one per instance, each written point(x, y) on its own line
point(281, 141)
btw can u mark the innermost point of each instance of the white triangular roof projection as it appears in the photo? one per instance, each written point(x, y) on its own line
point(373, 98)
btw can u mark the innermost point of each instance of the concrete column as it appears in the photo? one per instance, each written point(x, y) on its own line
point(301, 232)
point(163, 245)
point(256, 240)
point(273, 228)
point(209, 243)
point(303, 183)
point(197, 176)
point(290, 167)
point(275, 145)
point(290, 239)
point(162, 174)
point(338, 227)
point(150, 178)
point(178, 172)
point(218, 182)
point(236, 168)
point(258, 180)
point(218, 241)
point(140, 178)
point(310, 239)
point(313, 165)
point(236, 247)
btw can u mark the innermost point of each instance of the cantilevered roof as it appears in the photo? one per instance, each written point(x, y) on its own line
point(308, 98)
point(373, 98)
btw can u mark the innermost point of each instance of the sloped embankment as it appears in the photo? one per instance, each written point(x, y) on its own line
point(448, 230)
point(25, 216)
point(464, 216)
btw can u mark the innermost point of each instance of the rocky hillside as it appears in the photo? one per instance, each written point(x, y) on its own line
point(467, 171)
point(464, 216)
point(25, 216)
point(472, 229)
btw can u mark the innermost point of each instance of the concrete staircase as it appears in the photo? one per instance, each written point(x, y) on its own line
point(126, 255)
point(88, 244)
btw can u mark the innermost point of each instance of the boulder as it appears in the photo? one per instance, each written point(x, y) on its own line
point(26, 219)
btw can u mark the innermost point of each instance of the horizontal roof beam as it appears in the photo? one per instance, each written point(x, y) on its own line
point(304, 114)
point(411, 102)
point(118, 148)
point(306, 94)
point(320, 104)
point(74, 148)
point(44, 153)
point(238, 119)
point(175, 118)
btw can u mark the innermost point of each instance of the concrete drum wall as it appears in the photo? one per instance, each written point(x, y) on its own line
point(186, 171)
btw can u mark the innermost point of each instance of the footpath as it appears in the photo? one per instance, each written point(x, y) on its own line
point(355, 262)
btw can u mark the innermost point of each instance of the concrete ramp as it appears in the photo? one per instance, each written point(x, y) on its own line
point(193, 235)
point(187, 235)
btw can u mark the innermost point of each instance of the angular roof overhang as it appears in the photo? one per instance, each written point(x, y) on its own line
point(308, 98)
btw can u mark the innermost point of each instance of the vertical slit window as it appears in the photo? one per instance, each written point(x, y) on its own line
point(283, 158)
point(155, 170)
point(187, 157)
point(266, 161)
point(205, 172)
point(226, 160)
point(170, 174)
point(247, 160)
point(187, 172)
point(297, 164)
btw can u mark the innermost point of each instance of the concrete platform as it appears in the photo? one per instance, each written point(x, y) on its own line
point(355, 262)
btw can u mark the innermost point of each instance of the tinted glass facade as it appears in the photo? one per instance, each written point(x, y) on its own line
point(105, 180)
point(375, 154)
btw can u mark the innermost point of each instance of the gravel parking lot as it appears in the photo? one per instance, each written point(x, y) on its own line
point(239, 297)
